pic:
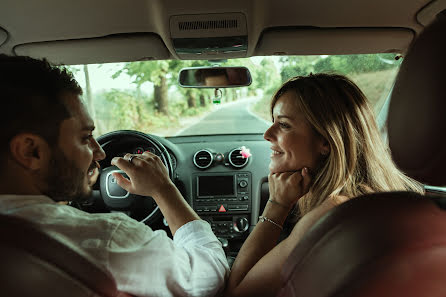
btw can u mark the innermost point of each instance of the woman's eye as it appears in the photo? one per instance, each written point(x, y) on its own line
point(284, 125)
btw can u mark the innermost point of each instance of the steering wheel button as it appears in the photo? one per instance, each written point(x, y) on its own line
point(113, 189)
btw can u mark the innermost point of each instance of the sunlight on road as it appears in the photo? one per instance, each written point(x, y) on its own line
point(230, 118)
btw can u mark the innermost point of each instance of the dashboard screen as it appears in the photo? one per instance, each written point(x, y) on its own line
point(216, 185)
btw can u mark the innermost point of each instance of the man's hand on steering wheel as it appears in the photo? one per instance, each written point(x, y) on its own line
point(148, 176)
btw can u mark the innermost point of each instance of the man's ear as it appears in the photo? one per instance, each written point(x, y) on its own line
point(30, 151)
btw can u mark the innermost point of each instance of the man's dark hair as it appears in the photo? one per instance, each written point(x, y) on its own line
point(31, 98)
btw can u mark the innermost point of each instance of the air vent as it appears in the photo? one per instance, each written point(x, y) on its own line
point(236, 159)
point(211, 25)
point(203, 159)
point(208, 25)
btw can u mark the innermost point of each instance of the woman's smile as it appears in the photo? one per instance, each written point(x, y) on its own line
point(294, 144)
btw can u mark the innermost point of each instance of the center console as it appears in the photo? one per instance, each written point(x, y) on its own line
point(224, 200)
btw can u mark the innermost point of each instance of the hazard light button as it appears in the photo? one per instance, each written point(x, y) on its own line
point(222, 208)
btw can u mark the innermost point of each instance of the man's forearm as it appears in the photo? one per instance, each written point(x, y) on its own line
point(175, 209)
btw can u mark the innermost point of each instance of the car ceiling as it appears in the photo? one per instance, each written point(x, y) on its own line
point(84, 31)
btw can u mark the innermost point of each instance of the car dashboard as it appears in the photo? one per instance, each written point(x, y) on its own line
point(223, 188)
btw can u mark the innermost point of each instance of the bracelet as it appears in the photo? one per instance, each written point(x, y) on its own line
point(280, 204)
point(263, 219)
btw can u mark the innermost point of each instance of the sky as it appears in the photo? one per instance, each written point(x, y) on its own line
point(101, 78)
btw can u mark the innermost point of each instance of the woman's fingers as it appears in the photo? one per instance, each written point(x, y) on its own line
point(306, 180)
point(288, 187)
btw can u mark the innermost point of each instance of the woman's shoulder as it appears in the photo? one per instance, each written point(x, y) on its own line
point(310, 218)
point(338, 199)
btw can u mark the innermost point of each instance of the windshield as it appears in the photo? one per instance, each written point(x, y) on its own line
point(146, 96)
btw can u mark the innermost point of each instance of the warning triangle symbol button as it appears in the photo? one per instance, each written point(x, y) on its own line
point(222, 209)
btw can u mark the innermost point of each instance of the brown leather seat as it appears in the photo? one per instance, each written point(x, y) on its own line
point(33, 264)
point(389, 244)
point(417, 113)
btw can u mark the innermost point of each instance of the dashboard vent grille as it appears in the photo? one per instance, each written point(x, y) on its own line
point(236, 159)
point(203, 159)
point(208, 25)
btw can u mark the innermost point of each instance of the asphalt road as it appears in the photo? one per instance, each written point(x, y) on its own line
point(231, 118)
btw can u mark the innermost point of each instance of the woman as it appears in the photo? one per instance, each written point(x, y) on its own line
point(326, 149)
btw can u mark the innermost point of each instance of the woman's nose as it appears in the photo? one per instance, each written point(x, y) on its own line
point(268, 135)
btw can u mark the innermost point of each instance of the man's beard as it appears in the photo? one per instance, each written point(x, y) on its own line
point(65, 181)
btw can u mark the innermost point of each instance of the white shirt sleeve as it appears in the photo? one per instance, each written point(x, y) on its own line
point(148, 263)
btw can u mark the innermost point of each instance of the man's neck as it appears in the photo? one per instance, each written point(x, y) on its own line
point(18, 184)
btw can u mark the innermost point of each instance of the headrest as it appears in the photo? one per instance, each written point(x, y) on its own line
point(417, 111)
point(381, 244)
point(40, 265)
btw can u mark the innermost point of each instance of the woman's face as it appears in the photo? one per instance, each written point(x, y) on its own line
point(294, 143)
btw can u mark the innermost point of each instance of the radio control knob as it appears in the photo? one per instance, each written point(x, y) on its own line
point(243, 183)
point(241, 225)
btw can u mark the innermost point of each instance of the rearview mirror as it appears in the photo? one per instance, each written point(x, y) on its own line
point(214, 77)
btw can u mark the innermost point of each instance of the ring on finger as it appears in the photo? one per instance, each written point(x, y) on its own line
point(131, 159)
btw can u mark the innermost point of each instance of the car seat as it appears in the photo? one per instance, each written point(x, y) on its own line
point(33, 264)
point(389, 244)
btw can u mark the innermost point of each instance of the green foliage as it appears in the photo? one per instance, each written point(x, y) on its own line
point(262, 107)
point(269, 76)
point(120, 109)
point(146, 71)
point(127, 111)
point(374, 74)
point(354, 64)
point(342, 64)
point(375, 85)
point(296, 65)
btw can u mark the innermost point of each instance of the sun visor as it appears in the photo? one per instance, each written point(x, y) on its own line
point(115, 48)
point(318, 41)
point(3, 36)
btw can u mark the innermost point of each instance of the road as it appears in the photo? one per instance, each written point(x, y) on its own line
point(230, 118)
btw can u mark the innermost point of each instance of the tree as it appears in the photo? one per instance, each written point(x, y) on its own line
point(355, 64)
point(297, 65)
point(191, 94)
point(203, 100)
point(150, 71)
point(268, 76)
point(88, 96)
point(191, 98)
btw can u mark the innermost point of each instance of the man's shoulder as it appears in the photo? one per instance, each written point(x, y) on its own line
point(44, 211)
point(112, 218)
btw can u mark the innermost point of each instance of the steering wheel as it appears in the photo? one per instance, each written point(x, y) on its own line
point(143, 209)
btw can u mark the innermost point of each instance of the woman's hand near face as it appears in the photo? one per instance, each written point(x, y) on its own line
point(256, 271)
point(287, 187)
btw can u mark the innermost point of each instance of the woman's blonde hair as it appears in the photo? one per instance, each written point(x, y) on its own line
point(359, 162)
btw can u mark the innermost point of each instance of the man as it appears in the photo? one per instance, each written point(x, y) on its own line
point(48, 154)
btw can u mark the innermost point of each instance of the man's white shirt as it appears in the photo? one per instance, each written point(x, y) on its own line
point(142, 261)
